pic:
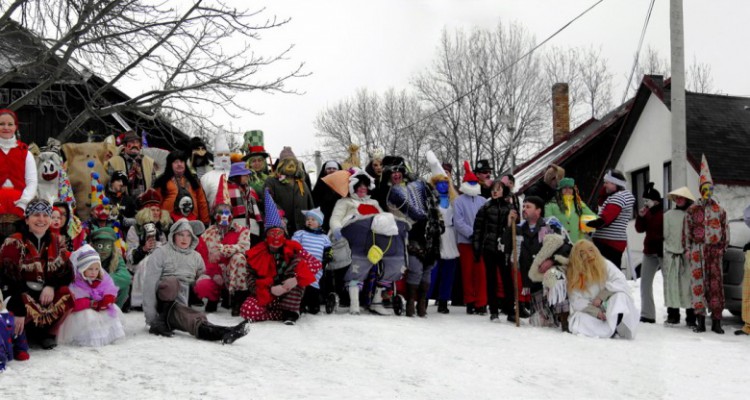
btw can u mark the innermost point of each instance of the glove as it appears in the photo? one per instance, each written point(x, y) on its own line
point(337, 234)
point(596, 224)
point(277, 290)
point(82, 304)
point(327, 255)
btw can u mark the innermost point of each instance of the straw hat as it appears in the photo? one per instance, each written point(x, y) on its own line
point(682, 192)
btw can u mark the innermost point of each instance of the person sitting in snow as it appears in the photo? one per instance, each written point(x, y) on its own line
point(316, 242)
point(280, 271)
point(12, 346)
point(601, 304)
point(96, 319)
point(170, 271)
point(224, 255)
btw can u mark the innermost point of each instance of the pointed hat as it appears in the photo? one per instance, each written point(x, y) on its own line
point(338, 181)
point(220, 142)
point(705, 177)
point(273, 217)
point(435, 166)
point(469, 175)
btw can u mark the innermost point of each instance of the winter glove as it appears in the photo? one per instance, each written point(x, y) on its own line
point(82, 304)
point(327, 255)
point(277, 290)
point(596, 224)
point(337, 234)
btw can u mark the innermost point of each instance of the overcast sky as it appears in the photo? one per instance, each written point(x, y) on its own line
point(350, 44)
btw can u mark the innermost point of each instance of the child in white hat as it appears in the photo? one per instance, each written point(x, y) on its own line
point(96, 320)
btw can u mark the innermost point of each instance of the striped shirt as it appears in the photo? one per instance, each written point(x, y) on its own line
point(617, 230)
point(313, 243)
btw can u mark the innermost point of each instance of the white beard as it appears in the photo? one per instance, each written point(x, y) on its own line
point(222, 163)
point(470, 190)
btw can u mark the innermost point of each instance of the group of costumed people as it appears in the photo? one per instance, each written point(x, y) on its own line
point(209, 229)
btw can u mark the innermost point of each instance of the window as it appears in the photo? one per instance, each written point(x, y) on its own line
point(639, 179)
point(667, 186)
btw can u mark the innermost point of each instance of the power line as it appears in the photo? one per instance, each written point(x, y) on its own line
point(638, 52)
point(480, 85)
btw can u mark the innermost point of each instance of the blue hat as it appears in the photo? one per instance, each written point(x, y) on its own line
point(315, 213)
point(273, 218)
point(239, 169)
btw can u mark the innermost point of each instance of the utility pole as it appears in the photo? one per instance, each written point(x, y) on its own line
point(679, 131)
point(318, 160)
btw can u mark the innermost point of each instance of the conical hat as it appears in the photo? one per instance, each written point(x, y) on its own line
point(681, 192)
point(468, 174)
point(705, 177)
point(435, 167)
point(220, 142)
point(338, 181)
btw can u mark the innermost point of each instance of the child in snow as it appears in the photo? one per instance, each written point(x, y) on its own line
point(12, 346)
point(315, 241)
point(96, 319)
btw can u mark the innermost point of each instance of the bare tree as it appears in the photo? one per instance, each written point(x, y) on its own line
point(200, 56)
point(596, 83)
point(699, 78)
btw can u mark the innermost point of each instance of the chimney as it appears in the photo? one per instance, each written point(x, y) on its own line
point(560, 112)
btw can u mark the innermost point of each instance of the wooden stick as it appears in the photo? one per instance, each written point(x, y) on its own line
point(514, 271)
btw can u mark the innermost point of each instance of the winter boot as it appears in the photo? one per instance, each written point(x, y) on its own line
point(443, 307)
point(481, 311)
point(700, 324)
point(376, 306)
point(225, 299)
point(411, 297)
point(564, 321)
point(160, 326)
point(619, 321)
point(673, 316)
point(470, 308)
point(716, 326)
point(690, 318)
point(311, 300)
point(422, 299)
point(289, 317)
point(238, 299)
point(494, 318)
point(48, 342)
point(235, 332)
point(210, 332)
point(354, 299)
point(211, 306)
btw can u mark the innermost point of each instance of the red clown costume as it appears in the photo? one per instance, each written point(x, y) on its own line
point(280, 269)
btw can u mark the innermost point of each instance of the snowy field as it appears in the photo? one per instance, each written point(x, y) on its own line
point(455, 356)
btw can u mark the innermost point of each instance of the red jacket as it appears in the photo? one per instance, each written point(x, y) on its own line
point(263, 264)
point(653, 224)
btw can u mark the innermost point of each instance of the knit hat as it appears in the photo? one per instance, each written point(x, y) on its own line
point(105, 233)
point(38, 206)
point(468, 174)
point(705, 178)
point(286, 152)
point(149, 198)
point(84, 257)
point(651, 193)
point(315, 213)
point(566, 183)
point(239, 169)
point(273, 217)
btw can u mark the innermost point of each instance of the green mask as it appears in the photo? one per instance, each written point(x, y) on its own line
point(104, 248)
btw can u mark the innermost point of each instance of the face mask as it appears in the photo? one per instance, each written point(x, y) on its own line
point(222, 163)
point(442, 187)
point(275, 238)
point(224, 217)
point(186, 205)
point(104, 248)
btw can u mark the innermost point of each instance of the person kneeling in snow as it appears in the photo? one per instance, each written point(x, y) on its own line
point(96, 319)
point(600, 299)
point(280, 269)
point(170, 271)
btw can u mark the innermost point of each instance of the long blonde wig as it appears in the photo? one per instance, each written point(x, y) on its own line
point(582, 273)
point(444, 178)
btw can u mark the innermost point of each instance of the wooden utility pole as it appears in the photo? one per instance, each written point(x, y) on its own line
point(679, 131)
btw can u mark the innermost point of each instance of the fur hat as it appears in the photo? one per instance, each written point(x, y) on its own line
point(150, 197)
point(358, 176)
point(554, 173)
point(196, 142)
point(376, 154)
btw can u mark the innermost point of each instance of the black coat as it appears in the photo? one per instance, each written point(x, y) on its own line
point(490, 225)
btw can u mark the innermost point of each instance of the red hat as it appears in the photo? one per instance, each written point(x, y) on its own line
point(149, 198)
point(468, 175)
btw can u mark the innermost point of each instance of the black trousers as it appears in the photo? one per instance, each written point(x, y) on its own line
point(610, 253)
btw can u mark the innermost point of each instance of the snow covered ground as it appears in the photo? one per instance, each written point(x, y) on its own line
point(455, 356)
